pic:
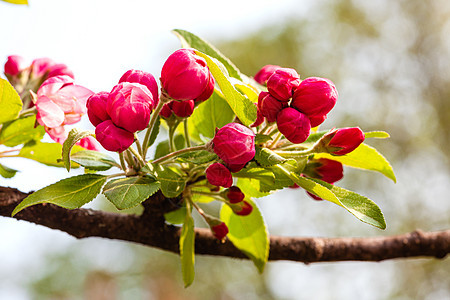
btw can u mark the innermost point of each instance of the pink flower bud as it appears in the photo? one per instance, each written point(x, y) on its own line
point(130, 105)
point(343, 140)
point(235, 167)
point(59, 69)
point(315, 96)
point(207, 92)
point(317, 120)
point(263, 75)
point(234, 144)
point(166, 111)
point(88, 143)
point(144, 78)
point(220, 231)
point(324, 169)
point(269, 106)
point(183, 109)
point(234, 194)
point(185, 76)
point(259, 117)
point(113, 138)
point(217, 174)
point(282, 83)
point(242, 208)
point(96, 108)
point(293, 125)
point(14, 65)
point(40, 66)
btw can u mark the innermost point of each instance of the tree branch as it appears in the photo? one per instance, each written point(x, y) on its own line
point(150, 229)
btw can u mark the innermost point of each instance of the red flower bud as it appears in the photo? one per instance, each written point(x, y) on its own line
point(96, 108)
point(220, 231)
point(113, 138)
point(183, 109)
point(59, 69)
point(14, 65)
point(144, 78)
point(282, 83)
point(263, 75)
point(242, 208)
point(130, 105)
point(269, 106)
point(293, 125)
point(259, 117)
point(324, 169)
point(235, 167)
point(234, 194)
point(234, 144)
point(317, 120)
point(315, 96)
point(185, 76)
point(344, 140)
point(217, 174)
point(166, 111)
point(207, 92)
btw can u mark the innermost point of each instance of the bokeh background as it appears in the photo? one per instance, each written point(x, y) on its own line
point(390, 61)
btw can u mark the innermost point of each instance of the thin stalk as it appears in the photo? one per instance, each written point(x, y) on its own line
point(27, 111)
point(9, 151)
point(138, 143)
point(176, 153)
point(186, 133)
point(129, 158)
point(294, 153)
point(122, 161)
point(115, 175)
point(138, 156)
point(150, 126)
point(275, 141)
point(171, 136)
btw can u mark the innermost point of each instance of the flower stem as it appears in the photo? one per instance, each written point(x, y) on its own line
point(122, 161)
point(176, 153)
point(24, 112)
point(116, 175)
point(138, 143)
point(151, 126)
point(138, 156)
point(186, 133)
point(294, 153)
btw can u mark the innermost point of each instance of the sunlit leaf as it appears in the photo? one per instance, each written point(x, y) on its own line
point(21, 131)
point(7, 172)
point(10, 102)
point(74, 136)
point(187, 250)
point(93, 160)
point(376, 134)
point(17, 1)
point(46, 153)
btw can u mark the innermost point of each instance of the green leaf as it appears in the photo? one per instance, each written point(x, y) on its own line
point(162, 149)
point(198, 157)
point(262, 138)
point(361, 207)
point(46, 153)
point(190, 40)
point(21, 131)
point(17, 1)
point(172, 182)
point(177, 216)
point(130, 191)
point(315, 188)
point(248, 234)
point(94, 160)
point(187, 250)
point(10, 102)
point(7, 172)
point(155, 131)
point(364, 157)
point(72, 192)
point(251, 187)
point(267, 158)
point(314, 137)
point(243, 107)
point(74, 136)
point(248, 91)
point(377, 134)
point(208, 116)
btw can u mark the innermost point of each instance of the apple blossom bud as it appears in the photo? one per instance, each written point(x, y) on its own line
point(234, 144)
point(294, 125)
point(234, 194)
point(242, 208)
point(324, 169)
point(113, 138)
point(217, 174)
point(40, 66)
point(343, 140)
point(186, 76)
point(144, 78)
point(315, 96)
point(14, 65)
point(317, 120)
point(282, 83)
point(130, 105)
point(263, 75)
point(59, 69)
point(269, 106)
point(96, 108)
point(207, 92)
point(235, 167)
point(166, 110)
point(259, 117)
point(88, 143)
point(219, 231)
point(183, 109)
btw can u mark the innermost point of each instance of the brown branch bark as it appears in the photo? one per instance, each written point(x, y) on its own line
point(150, 229)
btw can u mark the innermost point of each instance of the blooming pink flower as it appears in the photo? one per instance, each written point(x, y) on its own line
point(129, 105)
point(220, 231)
point(59, 69)
point(185, 76)
point(144, 78)
point(269, 106)
point(294, 125)
point(60, 101)
point(46, 68)
point(113, 138)
point(234, 194)
point(343, 140)
point(217, 174)
point(234, 144)
point(96, 108)
point(282, 83)
point(14, 65)
point(88, 143)
point(263, 75)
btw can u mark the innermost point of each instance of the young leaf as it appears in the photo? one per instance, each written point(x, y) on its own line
point(244, 109)
point(162, 148)
point(364, 157)
point(176, 217)
point(376, 134)
point(262, 138)
point(208, 116)
point(248, 234)
point(198, 157)
point(74, 136)
point(267, 158)
point(17, 1)
point(172, 182)
point(94, 160)
point(21, 131)
point(251, 187)
point(190, 40)
point(9, 102)
point(6, 172)
point(130, 191)
point(187, 249)
point(72, 192)
point(315, 188)
point(248, 91)
point(155, 131)
point(46, 153)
